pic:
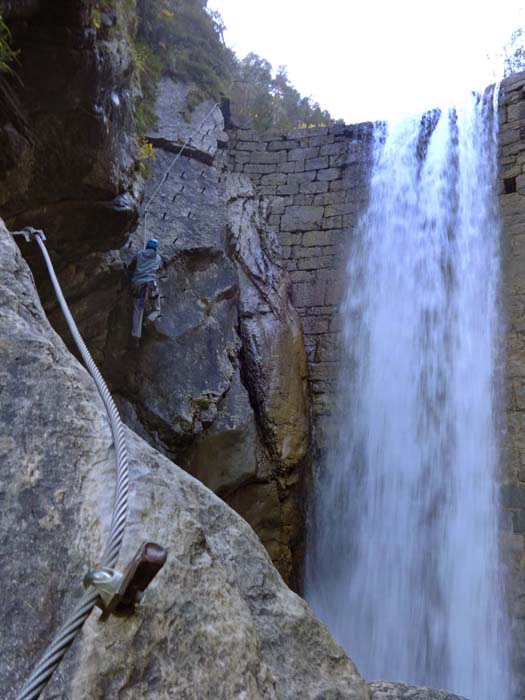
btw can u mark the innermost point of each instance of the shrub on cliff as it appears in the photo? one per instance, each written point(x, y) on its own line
point(187, 40)
point(7, 55)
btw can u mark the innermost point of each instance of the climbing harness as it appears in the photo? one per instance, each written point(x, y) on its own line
point(170, 167)
point(146, 562)
point(149, 290)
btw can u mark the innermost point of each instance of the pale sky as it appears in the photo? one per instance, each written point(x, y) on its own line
point(365, 60)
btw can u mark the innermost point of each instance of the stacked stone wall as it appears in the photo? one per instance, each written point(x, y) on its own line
point(316, 182)
point(512, 201)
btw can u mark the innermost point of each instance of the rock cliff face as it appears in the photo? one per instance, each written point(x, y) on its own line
point(218, 622)
point(69, 166)
point(219, 384)
point(317, 185)
point(67, 143)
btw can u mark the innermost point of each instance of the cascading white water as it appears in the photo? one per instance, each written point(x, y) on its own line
point(403, 563)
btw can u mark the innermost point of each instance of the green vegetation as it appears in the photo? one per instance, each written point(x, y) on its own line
point(118, 18)
point(202, 403)
point(7, 55)
point(272, 103)
point(184, 39)
point(148, 69)
point(96, 19)
point(187, 40)
point(114, 17)
point(146, 155)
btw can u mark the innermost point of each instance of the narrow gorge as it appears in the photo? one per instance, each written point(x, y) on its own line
point(330, 406)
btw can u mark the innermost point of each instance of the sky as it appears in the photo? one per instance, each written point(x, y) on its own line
point(368, 60)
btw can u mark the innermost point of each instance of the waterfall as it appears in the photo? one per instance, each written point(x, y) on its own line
point(403, 563)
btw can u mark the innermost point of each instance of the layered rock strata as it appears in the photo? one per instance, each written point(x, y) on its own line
point(316, 184)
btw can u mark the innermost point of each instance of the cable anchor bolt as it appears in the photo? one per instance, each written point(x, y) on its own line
point(119, 593)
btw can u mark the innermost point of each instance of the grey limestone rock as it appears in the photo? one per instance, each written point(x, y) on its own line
point(219, 383)
point(177, 122)
point(217, 623)
point(273, 344)
point(382, 690)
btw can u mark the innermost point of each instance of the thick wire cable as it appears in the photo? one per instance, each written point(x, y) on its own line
point(55, 652)
point(64, 638)
point(166, 174)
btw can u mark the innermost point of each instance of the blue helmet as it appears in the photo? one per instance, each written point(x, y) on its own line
point(152, 243)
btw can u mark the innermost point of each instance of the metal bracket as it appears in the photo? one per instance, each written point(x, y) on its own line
point(119, 593)
point(29, 231)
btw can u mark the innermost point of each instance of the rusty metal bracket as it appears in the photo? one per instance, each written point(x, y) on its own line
point(119, 593)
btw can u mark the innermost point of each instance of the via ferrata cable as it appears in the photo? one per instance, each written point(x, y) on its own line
point(49, 661)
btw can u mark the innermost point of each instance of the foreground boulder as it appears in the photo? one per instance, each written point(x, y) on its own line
point(218, 622)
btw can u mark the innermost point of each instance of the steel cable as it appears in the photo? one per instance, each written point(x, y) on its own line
point(64, 638)
point(165, 176)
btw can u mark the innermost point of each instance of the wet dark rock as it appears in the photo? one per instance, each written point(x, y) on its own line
point(69, 145)
point(225, 455)
point(19, 9)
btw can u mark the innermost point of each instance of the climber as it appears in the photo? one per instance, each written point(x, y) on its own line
point(143, 279)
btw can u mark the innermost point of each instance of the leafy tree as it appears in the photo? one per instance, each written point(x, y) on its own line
point(286, 102)
point(251, 91)
point(187, 41)
point(271, 103)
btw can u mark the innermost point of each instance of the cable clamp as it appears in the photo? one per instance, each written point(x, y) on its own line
point(118, 592)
